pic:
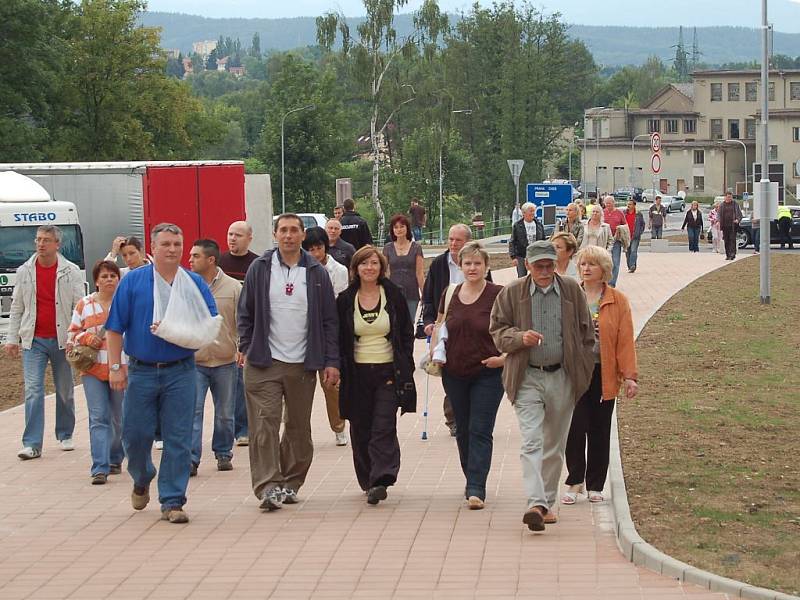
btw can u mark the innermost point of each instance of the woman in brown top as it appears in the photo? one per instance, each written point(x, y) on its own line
point(472, 374)
point(404, 256)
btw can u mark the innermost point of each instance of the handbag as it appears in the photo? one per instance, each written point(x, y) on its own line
point(83, 357)
point(430, 367)
point(709, 237)
point(420, 332)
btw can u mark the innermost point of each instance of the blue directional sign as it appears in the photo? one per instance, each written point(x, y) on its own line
point(550, 194)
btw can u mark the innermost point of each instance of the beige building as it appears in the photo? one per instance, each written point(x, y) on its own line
point(706, 127)
point(204, 48)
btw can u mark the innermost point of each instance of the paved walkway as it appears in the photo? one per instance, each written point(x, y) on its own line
point(61, 537)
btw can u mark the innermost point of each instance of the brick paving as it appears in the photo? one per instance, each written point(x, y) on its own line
point(61, 537)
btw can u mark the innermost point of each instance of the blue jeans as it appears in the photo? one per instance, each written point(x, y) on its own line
point(632, 253)
point(34, 364)
point(616, 257)
point(239, 406)
point(166, 397)
point(105, 423)
point(416, 232)
point(694, 239)
point(656, 231)
point(475, 402)
point(756, 238)
point(221, 380)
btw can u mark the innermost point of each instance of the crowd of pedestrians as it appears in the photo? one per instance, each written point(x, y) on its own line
point(328, 305)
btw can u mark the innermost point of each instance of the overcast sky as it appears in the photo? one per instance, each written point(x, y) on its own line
point(784, 13)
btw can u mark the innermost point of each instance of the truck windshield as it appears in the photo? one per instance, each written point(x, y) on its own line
point(17, 246)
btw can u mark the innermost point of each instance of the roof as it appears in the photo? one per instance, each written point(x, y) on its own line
point(743, 72)
point(687, 89)
point(40, 168)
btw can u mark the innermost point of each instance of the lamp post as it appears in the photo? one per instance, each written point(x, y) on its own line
point(633, 141)
point(283, 178)
point(441, 175)
point(745, 160)
point(765, 216)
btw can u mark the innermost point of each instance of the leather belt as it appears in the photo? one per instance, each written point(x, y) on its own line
point(546, 368)
point(156, 365)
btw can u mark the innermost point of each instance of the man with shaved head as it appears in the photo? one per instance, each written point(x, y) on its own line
point(235, 263)
point(340, 250)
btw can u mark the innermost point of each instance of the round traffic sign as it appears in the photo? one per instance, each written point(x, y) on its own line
point(655, 163)
point(655, 142)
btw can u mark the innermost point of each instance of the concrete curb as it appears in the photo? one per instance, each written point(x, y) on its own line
point(639, 552)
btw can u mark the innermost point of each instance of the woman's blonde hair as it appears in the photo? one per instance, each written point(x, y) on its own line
point(473, 249)
point(569, 240)
point(593, 208)
point(598, 256)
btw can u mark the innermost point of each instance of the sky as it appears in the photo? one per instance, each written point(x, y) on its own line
point(690, 13)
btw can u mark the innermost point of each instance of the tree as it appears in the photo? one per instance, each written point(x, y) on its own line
point(255, 46)
point(175, 67)
point(211, 61)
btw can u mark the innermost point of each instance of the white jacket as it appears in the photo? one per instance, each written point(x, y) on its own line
point(69, 289)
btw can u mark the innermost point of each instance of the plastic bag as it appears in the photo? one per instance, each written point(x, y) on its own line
point(182, 312)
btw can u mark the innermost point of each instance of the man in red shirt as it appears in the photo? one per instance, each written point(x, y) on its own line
point(47, 289)
point(614, 217)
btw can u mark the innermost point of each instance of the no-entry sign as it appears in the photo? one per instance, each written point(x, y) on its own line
point(655, 163)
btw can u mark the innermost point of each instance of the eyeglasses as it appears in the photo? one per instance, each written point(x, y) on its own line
point(44, 240)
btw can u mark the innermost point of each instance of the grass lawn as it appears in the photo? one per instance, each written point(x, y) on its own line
point(711, 446)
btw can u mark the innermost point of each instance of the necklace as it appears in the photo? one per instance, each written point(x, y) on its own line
point(288, 288)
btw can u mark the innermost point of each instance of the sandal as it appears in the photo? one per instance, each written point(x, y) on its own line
point(596, 496)
point(571, 495)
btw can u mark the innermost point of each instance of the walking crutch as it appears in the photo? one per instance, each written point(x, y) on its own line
point(427, 392)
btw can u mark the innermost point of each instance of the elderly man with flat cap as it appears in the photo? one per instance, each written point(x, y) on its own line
point(542, 322)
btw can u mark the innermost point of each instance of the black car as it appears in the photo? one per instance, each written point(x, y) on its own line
point(744, 233)
point(623, 194)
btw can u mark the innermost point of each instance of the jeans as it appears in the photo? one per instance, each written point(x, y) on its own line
point(756, 238)
point(416, 232)
point(616, 257)
point(239, 406)
point(522, 270)
point(34, 364)
point(475, 402)
point(655, 233)
point(221, 380)
point(105, 423)
point(694, 238)
point(163, 396)
point(632, 253)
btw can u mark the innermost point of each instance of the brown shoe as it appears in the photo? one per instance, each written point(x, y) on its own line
point(140, 497)
point(550, 518)
point(475, 503)
point(534, 518)
point(174, 515)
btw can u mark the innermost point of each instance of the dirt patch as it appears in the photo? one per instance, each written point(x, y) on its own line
point(710, 446)
point(12, 392)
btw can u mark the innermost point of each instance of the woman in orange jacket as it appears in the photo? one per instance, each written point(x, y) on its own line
point(615, 365)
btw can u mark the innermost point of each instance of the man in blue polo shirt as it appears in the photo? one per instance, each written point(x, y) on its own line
point(160, 380)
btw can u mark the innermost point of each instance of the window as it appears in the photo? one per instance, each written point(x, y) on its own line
point(773, 152)
point(689, 126)
point(796, 134)
point(699, 183)
point(794, 90)
point(733, 129)
point(699, 157)
point(716, 92)
point(750, 129)
point(671, 126)
point(751, 91)
point(733, 92)
point(653, 125)
point(771, 88)
point(716, 129)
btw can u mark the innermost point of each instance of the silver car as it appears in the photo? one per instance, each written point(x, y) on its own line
point(673, 203)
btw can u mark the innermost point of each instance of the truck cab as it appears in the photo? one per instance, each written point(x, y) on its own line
point(24, 206)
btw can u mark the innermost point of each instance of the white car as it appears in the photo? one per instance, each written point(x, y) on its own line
point(310, 219)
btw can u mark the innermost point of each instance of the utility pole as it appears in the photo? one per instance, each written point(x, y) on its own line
point(765, 204)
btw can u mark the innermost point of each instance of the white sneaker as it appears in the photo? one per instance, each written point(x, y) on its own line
point(159, 444)
point(67, 444)
point(341, 439)
point(242, 440)
point(28, 453)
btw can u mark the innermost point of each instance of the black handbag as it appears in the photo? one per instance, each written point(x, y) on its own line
point(420, 332)
point(709, 237)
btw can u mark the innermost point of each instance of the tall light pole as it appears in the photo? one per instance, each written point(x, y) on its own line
point(441, 175)
point(745, 160)
point(283, 178)
point(765, 216)
point(633, 141)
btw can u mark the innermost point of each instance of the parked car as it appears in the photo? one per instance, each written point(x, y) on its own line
point(624, 193)
point(310, 219)
point(673, 203)
point(649, 195)
point(744, 233)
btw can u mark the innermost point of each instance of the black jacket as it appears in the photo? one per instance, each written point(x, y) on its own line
point(401, 335)
point(518, 244)
point(689, 220)
point(355, 230)
point(342, 252)
point(436, 283)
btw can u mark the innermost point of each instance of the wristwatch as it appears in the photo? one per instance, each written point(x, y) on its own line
point(114, 368)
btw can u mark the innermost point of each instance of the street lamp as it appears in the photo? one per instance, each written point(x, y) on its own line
point(283, 178)
point(745, 160)
point(633, 141)
point(441, 175)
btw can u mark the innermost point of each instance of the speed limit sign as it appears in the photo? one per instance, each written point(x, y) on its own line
point(655, 142)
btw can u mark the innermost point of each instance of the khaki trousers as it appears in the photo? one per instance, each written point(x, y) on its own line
point(332, 405)
point(275, 460)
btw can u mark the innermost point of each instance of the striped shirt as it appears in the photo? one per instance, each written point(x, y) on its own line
point(89, 317)
point(546, 319)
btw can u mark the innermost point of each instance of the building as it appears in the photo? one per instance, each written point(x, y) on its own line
point(236, 71)
point(710, 132)
point(173, 53)
point(222, 63)
point(204, 48)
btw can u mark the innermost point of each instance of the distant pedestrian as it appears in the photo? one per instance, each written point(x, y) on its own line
point(524, 232)
point(419, 218)
point(566, 245)
point(543, 323)
point(235, 263)
point(160, 383)
point(132, 252)
point(288, 330)
point(635, 222)
point(104, 404)
point(716, 233)
point(316, 244)
point(729, 216)
point(338, 211)
point(376, 340)
point(785, 226)
point(48, 288)
point(657, 216)
point(405, 262)
point(614, 355)
point(615, 218)
point(341, 251)
point(355, 229)
point(217, 362)
point(693, 224)
point(572, 223)
point(755, 228)
point(596, 232)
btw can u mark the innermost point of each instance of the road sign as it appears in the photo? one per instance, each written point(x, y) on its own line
point(515, 166)
point(655, 162)
point(655, 142)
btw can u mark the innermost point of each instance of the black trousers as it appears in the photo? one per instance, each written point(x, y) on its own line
point(729, 235)
point(373, 427)
point(590, 437)
point(785, 231)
